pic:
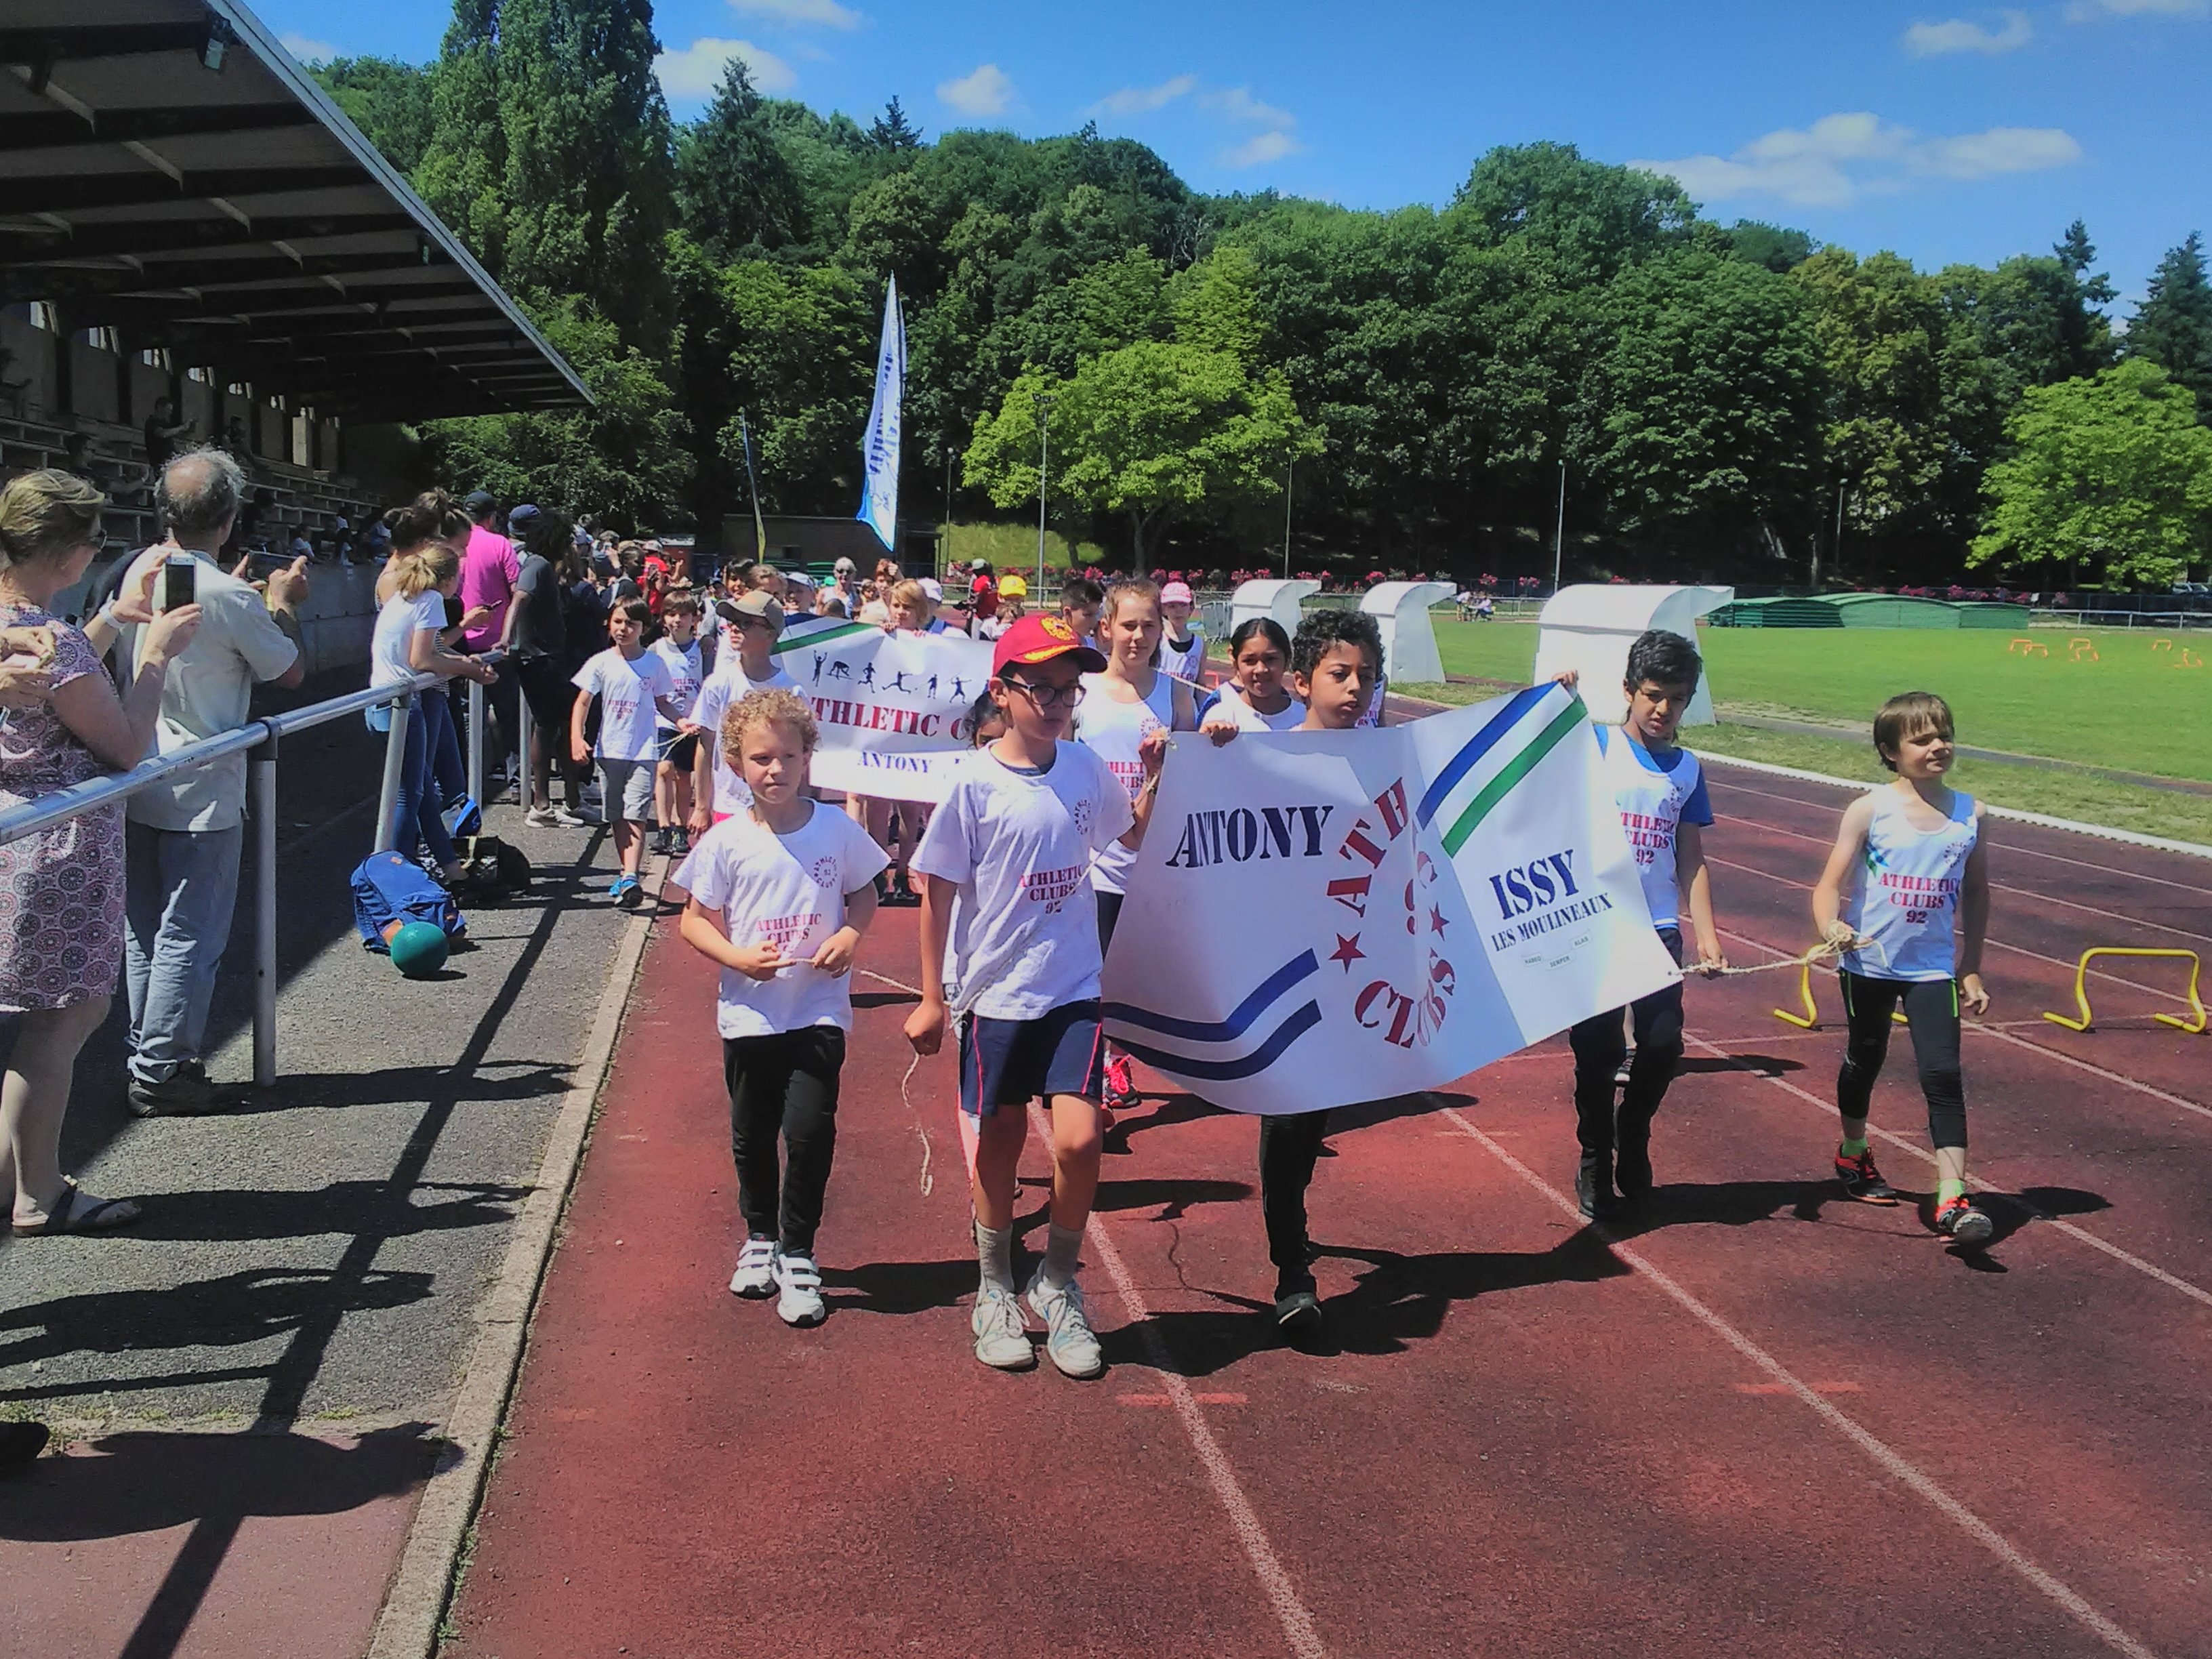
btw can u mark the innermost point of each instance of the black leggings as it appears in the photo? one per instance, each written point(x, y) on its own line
point(787, 1083)
point(1289, 1144)
point(1931, 1013)
point(1110, 913)
point(1599, 1049)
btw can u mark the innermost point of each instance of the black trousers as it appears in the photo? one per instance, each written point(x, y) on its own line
point(1290, 1145)
point(1599, 1049)
point(1931, 1014)
point(784, 1084)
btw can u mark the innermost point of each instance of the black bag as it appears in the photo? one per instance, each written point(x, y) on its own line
point(495, 868)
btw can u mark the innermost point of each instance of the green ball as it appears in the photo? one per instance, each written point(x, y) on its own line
point(418, 949)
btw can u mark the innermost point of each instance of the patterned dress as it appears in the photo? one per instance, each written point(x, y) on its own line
point(61, 890)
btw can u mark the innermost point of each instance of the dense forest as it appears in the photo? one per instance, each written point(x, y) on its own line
point(1726, 400)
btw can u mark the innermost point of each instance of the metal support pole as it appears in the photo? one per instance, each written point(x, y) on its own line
point(261, 767)
point(395, 762)
point(476, 743)
point(1288, 484)
point(522, 751)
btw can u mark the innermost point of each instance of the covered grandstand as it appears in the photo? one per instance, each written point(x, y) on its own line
point(184, 214)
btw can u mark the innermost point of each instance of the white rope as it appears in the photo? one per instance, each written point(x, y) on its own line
point(1826, 948)
point(920, 1127)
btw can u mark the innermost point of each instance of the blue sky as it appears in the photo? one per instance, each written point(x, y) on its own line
point(1943, 133)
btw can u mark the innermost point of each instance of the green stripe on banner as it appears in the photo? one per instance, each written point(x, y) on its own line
point(1514, 771)
point(825, 636)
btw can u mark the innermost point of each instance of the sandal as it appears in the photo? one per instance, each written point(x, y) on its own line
point(79, 1211)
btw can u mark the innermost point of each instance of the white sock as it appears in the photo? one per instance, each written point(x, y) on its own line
point(1062, 1246)
point(994, 1253)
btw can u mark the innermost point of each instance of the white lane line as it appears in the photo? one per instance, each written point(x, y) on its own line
point(2028, 893)
point(2017, 950)
point(1275, 1582)
point(1892, 1461)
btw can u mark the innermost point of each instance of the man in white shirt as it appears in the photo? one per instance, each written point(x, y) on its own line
point(184, 834)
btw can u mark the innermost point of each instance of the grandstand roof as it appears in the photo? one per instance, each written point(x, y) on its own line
point(167, 170)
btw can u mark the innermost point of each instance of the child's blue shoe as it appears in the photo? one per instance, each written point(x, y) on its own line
point(624, 890)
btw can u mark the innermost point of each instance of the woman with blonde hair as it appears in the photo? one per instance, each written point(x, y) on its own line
point(61, 888)
point(411, 638)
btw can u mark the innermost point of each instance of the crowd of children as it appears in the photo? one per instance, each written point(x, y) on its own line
point(1023, 865)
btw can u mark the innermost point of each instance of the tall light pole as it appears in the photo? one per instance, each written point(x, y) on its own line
point(1560, 533)
point(1043, 401)
point(944, 530)
point(1288, 483)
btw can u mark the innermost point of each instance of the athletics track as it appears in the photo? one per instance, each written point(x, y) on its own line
point(1761, 1420)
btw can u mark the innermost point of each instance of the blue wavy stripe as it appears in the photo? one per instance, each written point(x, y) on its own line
point(1220, 1070)
point(1303, 966)
point(1482, 743)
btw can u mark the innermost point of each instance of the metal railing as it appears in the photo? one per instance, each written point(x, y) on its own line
point(259, 741)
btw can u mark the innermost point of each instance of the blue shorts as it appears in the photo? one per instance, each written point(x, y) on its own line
point(1010, 1062)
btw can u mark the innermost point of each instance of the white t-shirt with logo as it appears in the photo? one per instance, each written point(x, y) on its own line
point(683, 661)
point(1020, 845)
point(786, 890)
point(626, 688)
point(725, 685)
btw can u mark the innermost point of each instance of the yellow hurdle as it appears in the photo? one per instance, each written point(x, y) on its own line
point(1810, 1019)
point(2195, 1027)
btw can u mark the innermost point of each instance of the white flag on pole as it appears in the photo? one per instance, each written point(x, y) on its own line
point(1362, 914)
point(879, 445)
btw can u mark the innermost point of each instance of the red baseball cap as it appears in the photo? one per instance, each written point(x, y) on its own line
point(1039, 637)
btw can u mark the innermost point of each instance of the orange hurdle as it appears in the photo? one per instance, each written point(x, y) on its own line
point(2195, 1027)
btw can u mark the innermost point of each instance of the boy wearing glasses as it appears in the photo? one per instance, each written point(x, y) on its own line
point(1006, 861)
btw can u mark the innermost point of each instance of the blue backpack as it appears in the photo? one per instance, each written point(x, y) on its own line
point(387, 888)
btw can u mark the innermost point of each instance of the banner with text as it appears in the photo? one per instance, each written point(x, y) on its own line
point(1318, 918)
point(892, 707)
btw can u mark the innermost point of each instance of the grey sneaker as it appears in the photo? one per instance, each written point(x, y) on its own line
point(1001, 1340)
point(798, 1290)
point(1068, 1338)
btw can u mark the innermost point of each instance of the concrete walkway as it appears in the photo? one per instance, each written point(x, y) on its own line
point(251, 1383)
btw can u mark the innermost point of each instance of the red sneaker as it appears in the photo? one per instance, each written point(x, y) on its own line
point(1961, 1223)
point(1862, 1181)
point(1120, 1087)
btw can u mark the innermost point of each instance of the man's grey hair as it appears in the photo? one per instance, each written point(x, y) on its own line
point(200, 491)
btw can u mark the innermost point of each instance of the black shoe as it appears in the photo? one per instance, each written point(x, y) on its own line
point(20, 1445)
point(679, 842)
point(1632, 1172)
point(1298, 1314)
point(186, 1093)
point(1594, 1191)
point(660, 840)
point(1862, 1181)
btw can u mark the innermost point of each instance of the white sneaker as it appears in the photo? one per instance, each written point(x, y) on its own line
point(565, 819)
point(540, 817)
point(798, 1290)
point(1068, 1337)
point(756, 1274)
point(1002, 1342)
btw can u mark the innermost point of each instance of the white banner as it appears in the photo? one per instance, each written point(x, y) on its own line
point(892, 707)
point(1326, 917)
point(880, 444)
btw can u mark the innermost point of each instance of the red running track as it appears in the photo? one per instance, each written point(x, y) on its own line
point(1764, 1421)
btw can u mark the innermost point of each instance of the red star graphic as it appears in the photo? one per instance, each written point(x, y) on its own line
point(1436, 919)
point(1347, 952)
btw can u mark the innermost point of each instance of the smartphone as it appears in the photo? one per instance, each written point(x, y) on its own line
point(176, 583)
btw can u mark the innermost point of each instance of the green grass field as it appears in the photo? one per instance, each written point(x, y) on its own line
point(2130, 707)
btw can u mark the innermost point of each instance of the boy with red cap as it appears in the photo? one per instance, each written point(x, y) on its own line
point(1010, 955)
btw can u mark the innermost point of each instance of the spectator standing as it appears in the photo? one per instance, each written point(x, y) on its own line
point(163, 430)
point(61, 889)
point(187, 833)
point(537, 644)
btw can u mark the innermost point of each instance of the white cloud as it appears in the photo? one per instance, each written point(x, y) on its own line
point(307, 51)
point(2088, 11)
point(985, 91)
point(696, 70)
point(1937, 39)
point(1140, 100)
point(1238, 104)
point(1259, 148)
point(827, 13)
point(1840, 158)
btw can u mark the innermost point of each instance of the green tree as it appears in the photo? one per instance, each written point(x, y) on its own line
point(2173, 327)
point(389, 102)
point(891, 131)
point(2109, 476)
point(736, 187)
point(1591, 218)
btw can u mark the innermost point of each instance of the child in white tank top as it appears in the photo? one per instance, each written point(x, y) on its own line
point(1908, 862)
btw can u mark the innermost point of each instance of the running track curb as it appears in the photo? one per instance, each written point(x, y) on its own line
point(2103, 832)
point(407, 1626)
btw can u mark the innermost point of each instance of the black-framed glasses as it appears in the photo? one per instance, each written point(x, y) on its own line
point(1047, 696)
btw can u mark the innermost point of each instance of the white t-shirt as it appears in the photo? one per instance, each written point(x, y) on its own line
point(1232, 706)
point(787, 890)
point(725, 686)
point(626, 689)
point(1019, 846)
point(396, 625)
point(682, 662)
point(1116, 731)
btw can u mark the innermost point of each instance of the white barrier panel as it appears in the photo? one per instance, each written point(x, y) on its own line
point(1589, 628)
point(1401, 610)
point(1273, 597)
